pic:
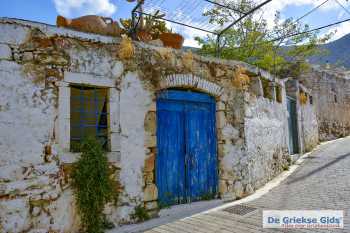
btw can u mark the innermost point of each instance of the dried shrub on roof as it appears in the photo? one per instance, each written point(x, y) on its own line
point(126, 48)
point(302, 98)
point(187, 60)
point(241, 80)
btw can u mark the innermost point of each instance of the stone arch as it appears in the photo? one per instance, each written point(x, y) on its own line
point(192, 82)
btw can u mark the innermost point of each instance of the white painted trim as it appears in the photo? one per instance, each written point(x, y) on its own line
point(88, 79)
point(64, 116)
point(64, 107)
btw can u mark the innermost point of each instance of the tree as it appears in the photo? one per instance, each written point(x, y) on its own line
point(254, 41)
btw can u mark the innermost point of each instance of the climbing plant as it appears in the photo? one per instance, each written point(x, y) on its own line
point(92, 185)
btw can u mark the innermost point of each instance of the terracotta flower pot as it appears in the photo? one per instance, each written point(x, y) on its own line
point(143, 36)
point(172, 40)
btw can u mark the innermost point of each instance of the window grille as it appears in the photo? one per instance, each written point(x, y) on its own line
point(89, 115)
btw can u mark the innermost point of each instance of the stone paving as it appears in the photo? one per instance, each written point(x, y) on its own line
point(321, 182)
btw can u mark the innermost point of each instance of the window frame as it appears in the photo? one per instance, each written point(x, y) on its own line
point(62, 122)
point(83, 126)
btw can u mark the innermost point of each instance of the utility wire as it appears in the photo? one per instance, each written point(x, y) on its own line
point(342, 6)
point(311, 30)
point(244, 15)
point(306, 14)
point(297, 34)
point(311, 11)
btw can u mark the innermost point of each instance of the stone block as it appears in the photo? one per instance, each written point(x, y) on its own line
point(150, 193)
point(249, 189)
point(153, 107)
point(220, 119)
point(149, 178)
point(222, 187)
point(220, 106)
point(221, 150)
point(114, 156)
point(149, 163)
point(27, 56)
point(151, 205)
point(5, 52)
point(228, 197)
point(150, 122)
point(238, 189)
point(229, 132)
point(115, 141)
point(151, 141)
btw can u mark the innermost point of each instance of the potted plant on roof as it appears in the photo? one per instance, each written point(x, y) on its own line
point(173, 40)
point(149, 28)
point(158, 30)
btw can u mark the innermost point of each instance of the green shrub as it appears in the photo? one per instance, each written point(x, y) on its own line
point(285, 167)
point(140, 214)
point(92, 185)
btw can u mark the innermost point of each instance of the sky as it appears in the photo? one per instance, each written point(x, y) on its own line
point(46, 11)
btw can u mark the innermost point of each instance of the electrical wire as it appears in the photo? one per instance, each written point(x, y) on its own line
point(306, 14)
point(342, 6)
point(297, 34)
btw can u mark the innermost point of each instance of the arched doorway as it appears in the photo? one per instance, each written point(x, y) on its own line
point(186, 164)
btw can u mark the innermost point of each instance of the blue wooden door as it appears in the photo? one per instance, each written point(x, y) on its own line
point(186, 167)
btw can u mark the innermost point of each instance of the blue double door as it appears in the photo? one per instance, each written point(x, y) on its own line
point(186, 164)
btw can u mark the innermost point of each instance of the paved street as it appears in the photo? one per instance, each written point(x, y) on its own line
point(321, 182)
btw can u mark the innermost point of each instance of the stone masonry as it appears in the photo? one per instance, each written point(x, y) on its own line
point(38, 63)
point(330, 93)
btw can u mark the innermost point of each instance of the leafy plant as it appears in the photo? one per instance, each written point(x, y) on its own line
point(254, 41)
point(154, 25)
point(92, 185)
point(285, 167)
point(149, 23)
point(140, 214)
point(126, 24)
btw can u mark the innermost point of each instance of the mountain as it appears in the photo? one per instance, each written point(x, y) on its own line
point(338, 53)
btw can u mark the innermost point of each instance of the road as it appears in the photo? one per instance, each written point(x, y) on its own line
point(321, 182)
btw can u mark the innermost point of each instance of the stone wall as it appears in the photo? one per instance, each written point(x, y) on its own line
point(266, 139)
point(38, 63)
point(32, 188)
point(309, 127)
point(308, 134)
point(331, 97)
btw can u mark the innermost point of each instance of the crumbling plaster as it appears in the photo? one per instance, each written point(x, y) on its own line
point(36, 69)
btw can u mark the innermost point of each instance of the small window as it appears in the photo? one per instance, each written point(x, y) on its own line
point(89, 115)
point(311, 100)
